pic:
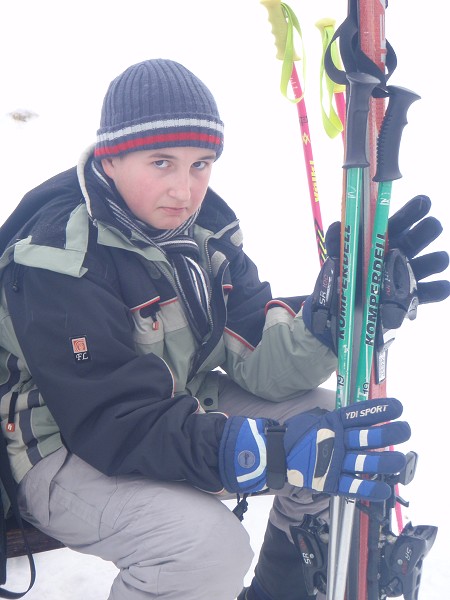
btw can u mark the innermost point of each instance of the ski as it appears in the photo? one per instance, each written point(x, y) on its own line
point(370, 15)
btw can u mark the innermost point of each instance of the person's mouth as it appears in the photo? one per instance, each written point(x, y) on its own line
point(171, 210)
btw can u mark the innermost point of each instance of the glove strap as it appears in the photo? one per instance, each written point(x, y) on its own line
point(398, 300)
point(399, 292)
point(276, 456)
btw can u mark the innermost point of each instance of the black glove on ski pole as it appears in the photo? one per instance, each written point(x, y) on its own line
point(410, 231)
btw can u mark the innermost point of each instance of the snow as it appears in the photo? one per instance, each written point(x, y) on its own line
point(56, 66)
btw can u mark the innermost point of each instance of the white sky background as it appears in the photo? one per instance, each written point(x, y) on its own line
point(57, 61)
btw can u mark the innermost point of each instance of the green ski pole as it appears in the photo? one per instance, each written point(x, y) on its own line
point(400, 99)
point(388, 146)
point(361, 86)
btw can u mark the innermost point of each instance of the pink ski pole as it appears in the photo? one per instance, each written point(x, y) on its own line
point(283, 20)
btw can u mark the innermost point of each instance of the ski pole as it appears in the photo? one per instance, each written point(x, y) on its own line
point(361, 86)
point(283, 20)
point(400, 99)
point(388, 146)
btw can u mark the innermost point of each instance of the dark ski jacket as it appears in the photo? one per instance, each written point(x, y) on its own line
point(96, 352)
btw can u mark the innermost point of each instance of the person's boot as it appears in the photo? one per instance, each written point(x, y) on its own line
point(249, 593)
point(279, 573)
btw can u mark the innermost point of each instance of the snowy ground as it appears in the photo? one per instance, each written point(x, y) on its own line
point(57, 63)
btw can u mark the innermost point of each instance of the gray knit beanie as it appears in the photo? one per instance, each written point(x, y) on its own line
point(158, 104)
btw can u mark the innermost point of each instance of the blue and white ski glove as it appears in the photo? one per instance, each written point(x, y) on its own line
point(318, 450)
point(410, 231)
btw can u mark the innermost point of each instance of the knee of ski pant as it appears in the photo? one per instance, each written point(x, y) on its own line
point(223, 545)
point(174, 541)
point(215, 561)
point(203, 552)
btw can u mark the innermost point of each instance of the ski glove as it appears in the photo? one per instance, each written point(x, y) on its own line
point(317, 450)
point(409, 232)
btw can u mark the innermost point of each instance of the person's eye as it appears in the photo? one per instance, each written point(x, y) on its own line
point(200, 165)
point(161, 164)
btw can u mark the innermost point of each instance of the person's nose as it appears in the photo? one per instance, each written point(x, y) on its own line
point(180, 188)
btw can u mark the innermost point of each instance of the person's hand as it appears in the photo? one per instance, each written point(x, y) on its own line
point(410, 231)
point(322, 451)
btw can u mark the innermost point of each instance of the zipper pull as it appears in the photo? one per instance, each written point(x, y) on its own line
point(154, 318)
point(10, 425)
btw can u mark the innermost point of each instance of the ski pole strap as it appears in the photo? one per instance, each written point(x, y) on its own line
point(328, 88)
point(284, 21)
point(353, 58)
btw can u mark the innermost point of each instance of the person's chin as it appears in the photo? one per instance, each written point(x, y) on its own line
point(168, 223)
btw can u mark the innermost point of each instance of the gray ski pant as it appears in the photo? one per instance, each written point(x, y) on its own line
point(168, 540)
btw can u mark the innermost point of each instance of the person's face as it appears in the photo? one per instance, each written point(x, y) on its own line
point(163, 188)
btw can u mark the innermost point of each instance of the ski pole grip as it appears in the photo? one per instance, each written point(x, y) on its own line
point(361, 87)
point(277, 19)
point(388, 146)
